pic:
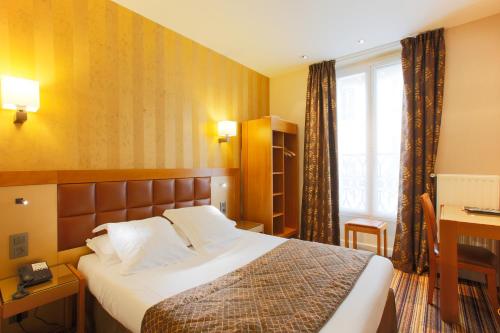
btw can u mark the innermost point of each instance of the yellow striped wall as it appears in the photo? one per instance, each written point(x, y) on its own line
point(118, 90)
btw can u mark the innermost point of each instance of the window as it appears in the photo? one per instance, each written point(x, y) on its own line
point(369, 110)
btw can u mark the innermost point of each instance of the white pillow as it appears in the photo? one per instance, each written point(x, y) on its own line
point(182, 235)
point(203, 225)
point(105, 251)
point(146, 243)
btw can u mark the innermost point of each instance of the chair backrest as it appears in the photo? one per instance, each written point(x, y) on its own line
point(430, 220)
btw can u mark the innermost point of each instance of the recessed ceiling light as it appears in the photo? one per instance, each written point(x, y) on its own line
point(361, 41)
point(304, 56)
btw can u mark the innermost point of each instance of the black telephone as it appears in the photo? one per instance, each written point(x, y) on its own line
point(30, 275)
point(36, 273)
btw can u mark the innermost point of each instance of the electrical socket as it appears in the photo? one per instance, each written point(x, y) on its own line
point(18, 245)
point(18, 317)
point(223, 207)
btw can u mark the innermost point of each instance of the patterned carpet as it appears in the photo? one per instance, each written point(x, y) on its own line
point(415, 315)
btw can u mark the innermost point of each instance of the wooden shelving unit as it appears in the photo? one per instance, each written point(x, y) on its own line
point(270, 173)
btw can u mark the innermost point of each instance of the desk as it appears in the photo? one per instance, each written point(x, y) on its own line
point(454, 222)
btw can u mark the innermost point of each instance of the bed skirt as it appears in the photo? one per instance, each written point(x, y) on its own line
point(99, 321)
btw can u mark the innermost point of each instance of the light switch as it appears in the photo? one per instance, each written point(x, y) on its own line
point(223, 207)
point(18, 245)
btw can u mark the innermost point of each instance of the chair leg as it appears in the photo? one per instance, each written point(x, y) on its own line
point(354, 239)
point(491, 280)
point(346, 237)
point(432, 282)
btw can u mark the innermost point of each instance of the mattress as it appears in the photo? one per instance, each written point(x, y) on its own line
point(126, 298)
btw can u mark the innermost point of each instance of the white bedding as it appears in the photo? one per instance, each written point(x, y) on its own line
point(127, 298)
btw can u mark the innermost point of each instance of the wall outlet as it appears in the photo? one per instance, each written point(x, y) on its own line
point(18, 245)
point(222, 207)
point(18, 317)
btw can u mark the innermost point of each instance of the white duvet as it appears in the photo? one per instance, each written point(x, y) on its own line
point(127, 298)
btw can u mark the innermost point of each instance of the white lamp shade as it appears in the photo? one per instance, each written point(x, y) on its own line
point(227, 128)
point(20, 94)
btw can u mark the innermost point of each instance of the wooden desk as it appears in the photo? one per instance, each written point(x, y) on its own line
point(454, 222)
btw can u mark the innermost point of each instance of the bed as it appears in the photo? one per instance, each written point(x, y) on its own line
point(126, 298)
point(118, 303)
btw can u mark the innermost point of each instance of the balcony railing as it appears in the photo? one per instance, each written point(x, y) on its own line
point(378, 197)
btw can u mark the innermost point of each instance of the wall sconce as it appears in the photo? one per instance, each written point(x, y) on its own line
point(21, 95)
point(22, 201)
point(226, 129)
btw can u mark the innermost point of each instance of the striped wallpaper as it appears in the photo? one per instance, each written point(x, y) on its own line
point(118, 91)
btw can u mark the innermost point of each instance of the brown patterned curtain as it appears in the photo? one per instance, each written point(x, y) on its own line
point(320, 204)
point(423, 60)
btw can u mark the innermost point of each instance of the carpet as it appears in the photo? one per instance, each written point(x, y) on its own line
point(415, 315)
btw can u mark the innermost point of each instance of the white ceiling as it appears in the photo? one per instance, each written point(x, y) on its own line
point(271, 35)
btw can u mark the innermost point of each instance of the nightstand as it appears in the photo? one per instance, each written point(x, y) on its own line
point(250, 226)
point(66, 281)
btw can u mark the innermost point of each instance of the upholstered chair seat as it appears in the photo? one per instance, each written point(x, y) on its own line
point(476, 255)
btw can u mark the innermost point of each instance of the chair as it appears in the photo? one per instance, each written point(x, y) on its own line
point(471, 258)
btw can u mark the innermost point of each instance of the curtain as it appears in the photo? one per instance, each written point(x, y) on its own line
point(320, 204)
point(423, 59)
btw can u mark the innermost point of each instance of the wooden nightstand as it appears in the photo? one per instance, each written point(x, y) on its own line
point(250, 226)
point(66, 281)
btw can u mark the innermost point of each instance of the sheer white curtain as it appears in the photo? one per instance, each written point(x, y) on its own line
point(369, 110)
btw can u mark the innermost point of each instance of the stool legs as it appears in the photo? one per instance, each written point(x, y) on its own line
point(346, 237)
point(378, 243)
point(355, 240)
point(385, 243)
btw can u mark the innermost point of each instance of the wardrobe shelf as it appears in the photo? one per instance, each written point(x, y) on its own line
point(269, 175)
point(287, 232)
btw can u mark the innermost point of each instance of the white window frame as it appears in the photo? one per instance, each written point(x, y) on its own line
point(368, 67)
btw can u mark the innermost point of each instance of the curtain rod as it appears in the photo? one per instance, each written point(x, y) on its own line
point(374, 51)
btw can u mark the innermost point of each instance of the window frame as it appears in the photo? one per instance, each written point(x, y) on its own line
point(369, 67)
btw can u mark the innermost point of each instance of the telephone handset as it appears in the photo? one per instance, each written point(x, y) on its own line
point(30, 275)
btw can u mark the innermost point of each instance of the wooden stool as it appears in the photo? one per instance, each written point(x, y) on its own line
point(367, 226)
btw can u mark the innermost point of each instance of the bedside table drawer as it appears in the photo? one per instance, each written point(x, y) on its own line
point(39, 298)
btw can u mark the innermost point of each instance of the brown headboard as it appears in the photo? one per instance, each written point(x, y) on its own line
point(59, 238)
point(83, 206)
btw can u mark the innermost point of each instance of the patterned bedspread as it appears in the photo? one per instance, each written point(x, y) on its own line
point(296, 287)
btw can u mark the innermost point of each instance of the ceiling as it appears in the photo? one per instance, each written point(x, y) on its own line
point(270, 36)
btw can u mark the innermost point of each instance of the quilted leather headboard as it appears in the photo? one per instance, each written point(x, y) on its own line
point(82, 207)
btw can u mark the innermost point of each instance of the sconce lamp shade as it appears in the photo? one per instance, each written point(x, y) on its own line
point(20, 94)
point(227, 128)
